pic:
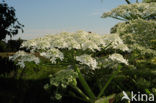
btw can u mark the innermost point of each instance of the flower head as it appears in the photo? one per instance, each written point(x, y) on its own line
point(23, 57)
point(132, 11)
point(53, 54)
point(118, 58)
point(87, 60)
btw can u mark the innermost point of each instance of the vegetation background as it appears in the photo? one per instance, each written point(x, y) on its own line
point(26, 85)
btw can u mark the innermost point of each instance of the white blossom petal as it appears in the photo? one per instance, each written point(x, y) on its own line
point(118, 58)
point(87, 60)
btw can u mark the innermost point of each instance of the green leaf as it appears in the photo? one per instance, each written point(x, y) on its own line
point(108, 99)
point(147, 91)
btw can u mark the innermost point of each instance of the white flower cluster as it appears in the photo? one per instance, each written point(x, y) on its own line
point(54, 46)
point(143, 50)
point(37, 44)
point(49, 45)
point(62, 79)
point(22, 57)
point(87, 60)
point(138, 31)
point(116, 42)
point(118, 58)
point(53, 54)
point(78, 40)
point(132, 11)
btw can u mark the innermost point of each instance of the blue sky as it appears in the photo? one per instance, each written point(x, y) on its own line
point(42, 17)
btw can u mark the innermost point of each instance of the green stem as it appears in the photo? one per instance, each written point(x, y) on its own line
point(118, 18)
point(84, 84)
point(80, 98)
point(78, 90)
point(108, 82)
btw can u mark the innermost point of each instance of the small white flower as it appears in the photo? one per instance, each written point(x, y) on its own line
point(140, 10)
point(53, 54)
point(116, 42)
point(52, 46)
point(87, 60)
point(21, 64)
point(78, 40)
point(122, 47)
point(118, 58)
point(23, 57)
point(90, 45)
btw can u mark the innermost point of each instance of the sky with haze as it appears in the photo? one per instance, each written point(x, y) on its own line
point(42, 17)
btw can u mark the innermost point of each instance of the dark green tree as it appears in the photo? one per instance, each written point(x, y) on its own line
point(9, 24)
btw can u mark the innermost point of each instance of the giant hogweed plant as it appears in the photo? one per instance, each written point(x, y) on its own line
point(138, 32)
point(76, 51)
point(145, 11)
point(140, 24)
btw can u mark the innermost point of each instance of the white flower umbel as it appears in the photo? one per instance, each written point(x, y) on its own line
point(78, 40)
point(116, 42)
point(132, 11)
point(143, 50)
point(87, 60)
point(118, 58)
point(90, 45)
point(138, 31)
point(53, 54)
point(122, 47)
point(36, 44)
point(23, 57)
point(53, 46)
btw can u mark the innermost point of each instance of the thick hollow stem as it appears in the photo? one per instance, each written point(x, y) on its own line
point(84, 84)
point(78, 90)
point(108, 82)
